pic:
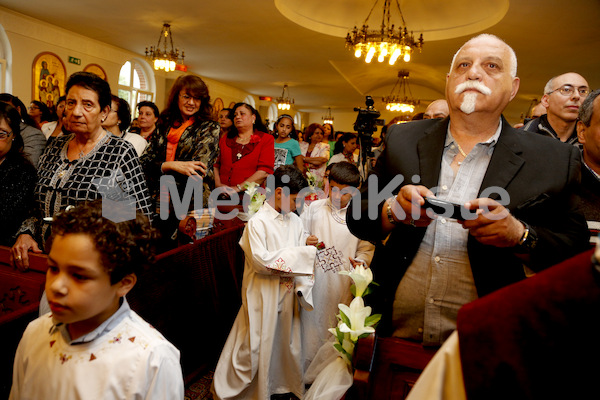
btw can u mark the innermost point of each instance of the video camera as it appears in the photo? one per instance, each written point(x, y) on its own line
point(365, 126)
point(365, 121)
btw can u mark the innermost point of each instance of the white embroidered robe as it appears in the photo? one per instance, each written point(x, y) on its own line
point(262, 355)
point(131, 361)
point(328, 224)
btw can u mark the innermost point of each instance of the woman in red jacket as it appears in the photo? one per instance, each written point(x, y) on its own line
point(247, 152)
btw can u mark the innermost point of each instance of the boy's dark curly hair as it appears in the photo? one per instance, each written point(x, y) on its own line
point(125, 247)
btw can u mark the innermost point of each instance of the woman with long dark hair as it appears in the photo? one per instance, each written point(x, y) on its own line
point(315, 152)
point(247, 151)
point(34, 141)
point(17, 176)
point(186, 141)
point(39, 112)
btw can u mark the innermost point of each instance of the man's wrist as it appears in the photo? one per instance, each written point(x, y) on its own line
point(528, 240)
point(390, 210)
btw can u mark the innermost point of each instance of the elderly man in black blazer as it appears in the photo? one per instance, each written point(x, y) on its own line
point(520, 186)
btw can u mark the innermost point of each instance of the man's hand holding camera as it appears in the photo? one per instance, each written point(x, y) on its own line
point(489, 221)
point(494, 225)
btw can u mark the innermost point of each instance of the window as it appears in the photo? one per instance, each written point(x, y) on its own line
point(298, 121)
point(2, 74)
point(272, 116)
point(134, 85)
point(250, 100)
point(5, 63)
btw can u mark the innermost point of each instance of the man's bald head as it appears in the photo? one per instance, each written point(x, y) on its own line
point(437, 109)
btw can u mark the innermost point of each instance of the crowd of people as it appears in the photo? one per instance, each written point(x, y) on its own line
point(526, 217)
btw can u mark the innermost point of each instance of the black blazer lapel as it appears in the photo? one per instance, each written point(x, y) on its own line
point(506, 160)
point(430, 149)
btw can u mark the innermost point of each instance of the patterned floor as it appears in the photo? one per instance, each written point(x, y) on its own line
point(200, 390)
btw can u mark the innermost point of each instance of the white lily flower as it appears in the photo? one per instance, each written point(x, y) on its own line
point(251, 188)
point(256, 203)
point(348, 344)
point(362, 277)
point(356, 313)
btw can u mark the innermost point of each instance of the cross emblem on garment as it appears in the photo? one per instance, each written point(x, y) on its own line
point(330, 259)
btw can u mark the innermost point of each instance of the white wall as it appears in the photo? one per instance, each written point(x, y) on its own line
point(28, 37)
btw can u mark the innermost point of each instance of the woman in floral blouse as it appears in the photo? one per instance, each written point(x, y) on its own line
point(315, 152)
point(186, 143)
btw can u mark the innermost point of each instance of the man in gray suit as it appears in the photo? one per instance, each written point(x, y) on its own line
point(431, 265)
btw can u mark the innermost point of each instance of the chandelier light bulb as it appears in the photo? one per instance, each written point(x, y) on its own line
point(395, 56)
point(164, 56)
point(370, 54)
point(386, 41)
point(284, 102)
point(399, 100)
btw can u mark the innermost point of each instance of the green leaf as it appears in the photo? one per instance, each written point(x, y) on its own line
point(345, 319)
point(340, 335)
point(339, 348)
point(371, 320)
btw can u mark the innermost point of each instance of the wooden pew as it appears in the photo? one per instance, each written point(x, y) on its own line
point(192, 295)
point(20, 294)
point(387, 367)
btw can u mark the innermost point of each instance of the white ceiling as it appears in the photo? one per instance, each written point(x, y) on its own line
point(252, 45)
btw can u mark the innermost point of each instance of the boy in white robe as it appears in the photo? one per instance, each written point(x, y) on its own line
point(325, 221)
point(92, 345)
point(263, 356)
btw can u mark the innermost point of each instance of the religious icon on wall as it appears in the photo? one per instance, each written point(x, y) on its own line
point(95, 69)
point(217, 106)
point(49, 75)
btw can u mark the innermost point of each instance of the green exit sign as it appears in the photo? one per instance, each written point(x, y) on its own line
point(74, 60)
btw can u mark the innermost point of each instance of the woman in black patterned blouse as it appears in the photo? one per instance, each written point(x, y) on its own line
point(185, 144)
point(88, 164)
point(17, 176)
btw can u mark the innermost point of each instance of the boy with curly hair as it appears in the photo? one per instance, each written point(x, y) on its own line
point(92, 345)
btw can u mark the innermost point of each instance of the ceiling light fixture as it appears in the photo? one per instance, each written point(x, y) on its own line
point(327, 118)
point(397, 101)
point(163, 57)
point(284, 102)
point(383, 42)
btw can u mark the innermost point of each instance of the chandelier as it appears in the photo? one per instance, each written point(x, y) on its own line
point(160, 56)
point(284, 102)
point(327, 118)
point(397, 100)
point(383, 42)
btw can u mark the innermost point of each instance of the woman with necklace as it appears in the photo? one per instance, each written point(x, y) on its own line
point(87, 164)
point(247, 152)
point(346, 146)
point(315, 152)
